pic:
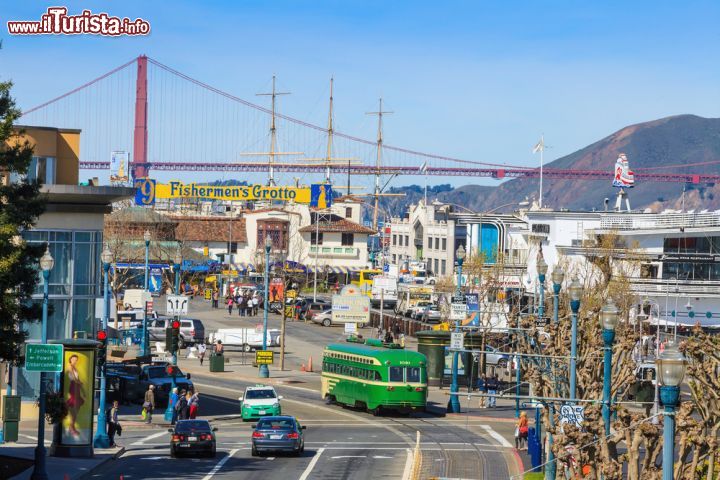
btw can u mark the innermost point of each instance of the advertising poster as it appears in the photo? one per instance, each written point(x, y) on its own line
point(119, 166)
point(449, 360)
point(78, 381)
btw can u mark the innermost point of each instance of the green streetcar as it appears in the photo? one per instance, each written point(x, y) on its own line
point(372, 376)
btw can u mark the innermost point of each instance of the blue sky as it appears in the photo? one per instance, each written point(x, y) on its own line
point(474, 80)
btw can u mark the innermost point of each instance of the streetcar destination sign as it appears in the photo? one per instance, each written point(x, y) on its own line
point(43, 357)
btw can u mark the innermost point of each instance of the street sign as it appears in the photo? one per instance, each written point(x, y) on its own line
point(457, 341)
point(350, 308)
point(542, 321)
point(572, 414)
point(177, 305)
point(148, 309)
point(458, 311)
point(458, 299)
point(351, 328)
point(264, 357)
point(43, 357)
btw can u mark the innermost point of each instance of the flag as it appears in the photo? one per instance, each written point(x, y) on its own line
point(540, 146)
point(423, 168)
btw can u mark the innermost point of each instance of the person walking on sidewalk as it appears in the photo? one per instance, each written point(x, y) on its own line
point(194, 404)
point(174, 397)
point(149, 403)
point(229, 304)
point(201, 352)
point(492, 386)
point(215, 298)
point(113, 425)
point(521, 431)
point(182, 407)
point(241, 306)
point(482, 389)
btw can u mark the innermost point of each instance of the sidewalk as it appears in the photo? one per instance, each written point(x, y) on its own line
point(19, 456)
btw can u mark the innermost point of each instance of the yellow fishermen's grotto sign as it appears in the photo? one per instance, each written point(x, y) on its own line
point(148, 190)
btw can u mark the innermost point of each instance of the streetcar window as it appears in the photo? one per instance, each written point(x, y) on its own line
point(412, 374)
point(377, 376)
point(396, 374)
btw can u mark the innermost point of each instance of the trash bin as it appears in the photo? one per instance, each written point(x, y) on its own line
point(217, 362)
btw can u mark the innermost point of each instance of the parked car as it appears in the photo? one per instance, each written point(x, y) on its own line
point(496, 357)
point(278, 434)
point(192, 436)
point(128, 383)
point(431, 314)
point(192, 330)
point(324, 318)
point(313, 308)
point(417, 308)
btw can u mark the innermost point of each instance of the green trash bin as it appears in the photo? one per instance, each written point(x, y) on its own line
point(217, 362)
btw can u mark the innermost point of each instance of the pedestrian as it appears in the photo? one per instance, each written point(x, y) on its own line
point(401, 340)
point(201, 351)
point(149, 403)
point(194, 404)
point(183, 408)
point(521, 431)
point(113, 425)
point(218, 348)
point(229, 305)
point(482, 389)
point(255, 303)
point(241, 306)
point(396, 329)
point(492, 387)
point(388, 336)
point(215, 298)
point(173, 404)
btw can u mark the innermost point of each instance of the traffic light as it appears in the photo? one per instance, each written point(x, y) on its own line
point(172, 370)
point(102, 350)
point(175, 336)
point(168, 339)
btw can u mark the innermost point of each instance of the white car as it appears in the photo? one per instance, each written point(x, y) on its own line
point(260, 401)
point(324, 318)
point(417, 311)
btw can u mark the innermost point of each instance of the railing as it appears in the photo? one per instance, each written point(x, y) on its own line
point(683, 287)
point(334, 251)
point(660, 220)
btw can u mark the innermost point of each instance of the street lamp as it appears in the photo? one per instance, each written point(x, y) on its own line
point(671, 370)
point(542, 269)
point(101, 439)
point(608, 321)
point(177, 265)
point(557, 277)
point(576, 291)
point(454, 398)
point(145, 340)
point(264, 370)
point(46, 264)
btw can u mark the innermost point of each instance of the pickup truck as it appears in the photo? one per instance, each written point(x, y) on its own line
point(248, 339)
point(128, 383)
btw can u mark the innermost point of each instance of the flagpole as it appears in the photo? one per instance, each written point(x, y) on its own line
point(425, 186)
point(542, 151)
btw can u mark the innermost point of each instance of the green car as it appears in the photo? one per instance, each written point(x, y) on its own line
point(260, 401)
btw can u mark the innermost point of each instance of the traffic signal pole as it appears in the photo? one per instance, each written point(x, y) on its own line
point(101, 439)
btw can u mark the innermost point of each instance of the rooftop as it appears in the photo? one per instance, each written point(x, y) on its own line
point(211, 229)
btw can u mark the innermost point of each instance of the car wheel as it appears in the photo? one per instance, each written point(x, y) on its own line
point(254, 452)
point(326, 322)
point(213, 453)
point(502, 363)
point(247, 348)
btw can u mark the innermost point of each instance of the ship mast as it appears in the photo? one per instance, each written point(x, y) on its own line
point(378, 161)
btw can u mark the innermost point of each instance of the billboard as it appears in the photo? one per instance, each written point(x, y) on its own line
point(350, 308)
point(77, 388)
point(119, 166)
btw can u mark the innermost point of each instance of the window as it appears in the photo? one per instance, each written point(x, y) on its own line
point(442, 267)
point(348, 212)
point(436, 267)
point(278, 232)
point(233, 248)
point(314, 240)
point(429, 242)
point(347, 240)
point(407, 240)
point(412, 374)
point(394, 239)
point(396, 374)
point(444, 244)
point(42, 169)
point(437, 243)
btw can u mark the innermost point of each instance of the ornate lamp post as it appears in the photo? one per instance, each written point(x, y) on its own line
point(145, 347)
point(542, 269)
point(576, 291)
point(608, 321)
point(454, 398)
point(264, 370)
point(101, 439)
point(39, 473)
point(671, 370)
point(557, 277)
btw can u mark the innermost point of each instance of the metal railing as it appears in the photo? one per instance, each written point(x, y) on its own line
point(684, 287)
point(660, 220)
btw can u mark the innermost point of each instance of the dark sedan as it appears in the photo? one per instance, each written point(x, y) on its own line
point(278, 434)
point(192, 436)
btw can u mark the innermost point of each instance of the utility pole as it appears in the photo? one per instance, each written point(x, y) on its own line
point(378, 160)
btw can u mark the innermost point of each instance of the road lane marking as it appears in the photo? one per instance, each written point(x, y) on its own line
point(311, 465)
point(408, 464)
point(497, 436)
point(270, 458)
point(348, 456)
point(149, 437)
point(219, 465)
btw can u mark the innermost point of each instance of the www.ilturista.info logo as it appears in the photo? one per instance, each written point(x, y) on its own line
point(57, 22)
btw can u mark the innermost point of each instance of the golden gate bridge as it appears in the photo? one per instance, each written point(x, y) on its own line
point(173, 122)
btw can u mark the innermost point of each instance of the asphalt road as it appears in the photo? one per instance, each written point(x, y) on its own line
point(340, 443)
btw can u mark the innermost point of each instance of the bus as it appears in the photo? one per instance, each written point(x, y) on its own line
point(373, 376)
point(363, 279)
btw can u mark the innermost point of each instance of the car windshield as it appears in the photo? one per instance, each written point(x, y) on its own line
point(276, 424)
point(161, 372)
point(259, 394)
point(188, 426)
